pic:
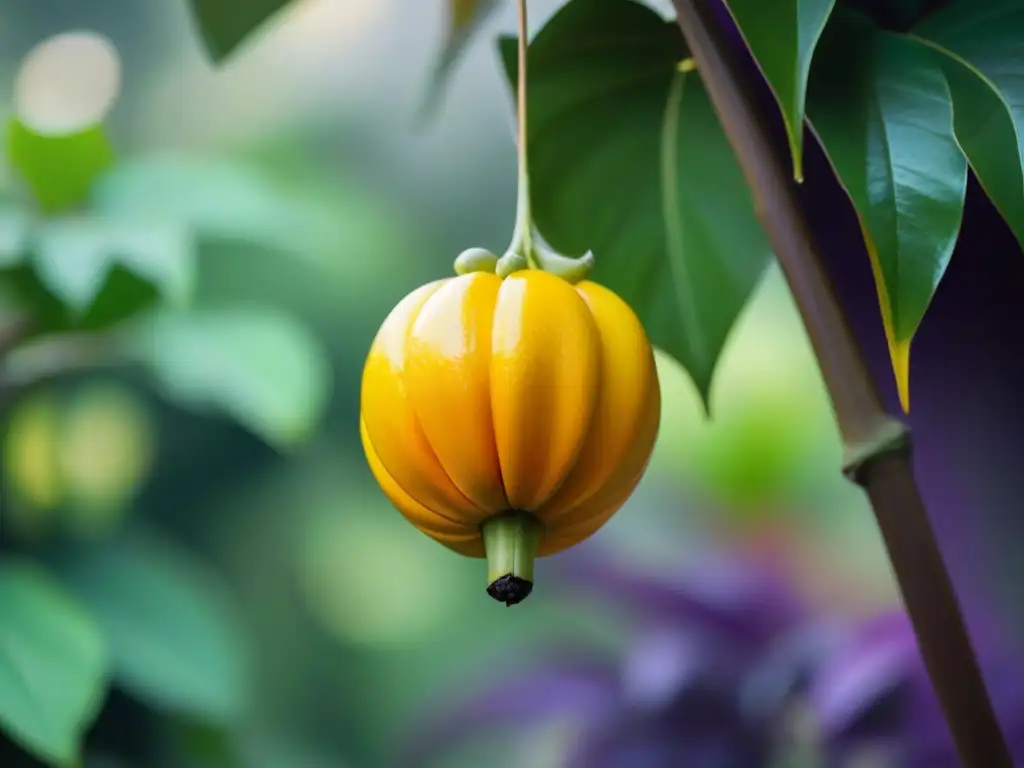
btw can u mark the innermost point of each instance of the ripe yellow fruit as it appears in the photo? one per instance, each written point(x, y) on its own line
point(509, 418)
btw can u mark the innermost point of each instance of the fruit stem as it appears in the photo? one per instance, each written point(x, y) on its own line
point(510, 541)
point(522, 235)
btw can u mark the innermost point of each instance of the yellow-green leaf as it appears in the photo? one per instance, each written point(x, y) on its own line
point(881, 106)
point(59, 170)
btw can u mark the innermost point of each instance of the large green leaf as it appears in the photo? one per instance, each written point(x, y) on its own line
point(86, 273)
point(881, 107)
point(259, 366)
point(464, 17)
point(782, 36)
point(53, 670)
point(627, 159)
point(983, 47)
point(174, 638)
point(225, 24)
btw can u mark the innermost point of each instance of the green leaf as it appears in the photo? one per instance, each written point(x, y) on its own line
point(627, 159)
point(224, 24)
point(259, 366)
point(83, 273)
point(983, 47)
point(53, 671)
point(880, 104)
point(175, 640)
point(464, 18)
point(15, 232)
point(60, 170)
point(217, 198)
point(782, 36)
point(84, 260)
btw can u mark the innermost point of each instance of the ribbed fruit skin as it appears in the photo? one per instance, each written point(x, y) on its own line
point(482, 395)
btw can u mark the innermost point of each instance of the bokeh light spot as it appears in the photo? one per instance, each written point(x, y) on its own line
point(372, 579)
point(67, 83)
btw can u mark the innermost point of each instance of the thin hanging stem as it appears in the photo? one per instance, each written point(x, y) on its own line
point(877, 446)
point(524, 252)
point(522, 237)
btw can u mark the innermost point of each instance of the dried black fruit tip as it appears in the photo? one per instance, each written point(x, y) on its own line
point(510, 590)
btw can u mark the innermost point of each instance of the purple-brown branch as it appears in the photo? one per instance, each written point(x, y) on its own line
point(878, 447)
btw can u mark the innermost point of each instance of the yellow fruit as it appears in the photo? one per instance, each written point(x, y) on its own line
point(509, 418)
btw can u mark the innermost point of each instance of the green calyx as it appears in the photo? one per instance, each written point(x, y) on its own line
point(512, 262)
point(515, 260)
point(510, 542)
point(475, 260)
point(565, 267)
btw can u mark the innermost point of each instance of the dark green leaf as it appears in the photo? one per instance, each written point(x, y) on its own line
point(80, 273)
point(782, 35)
point(881, 106)
point(893, 14)
point(983, 47)
point(225, 24)
point(52, 666)
point(215, 198)
point(174, 637)
point(259, 366)
point(59, 170)
point(627, 159)
point(464, 17)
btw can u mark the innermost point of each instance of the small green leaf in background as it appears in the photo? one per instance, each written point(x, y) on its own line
point(983, 58)
point(464, 18)
point(224, 25)
point(782, 36)
point(628, 160)
point(53, 670)
point(259, 366)
point(85, 273)
point(16, 225)
point(217, 198)
point(175, 640)
point(880, 104)
point(85, 260)
point(58, 169)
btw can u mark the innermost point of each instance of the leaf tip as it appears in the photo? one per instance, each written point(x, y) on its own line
point(899, 351)
point(703, 395)
point(797, 150)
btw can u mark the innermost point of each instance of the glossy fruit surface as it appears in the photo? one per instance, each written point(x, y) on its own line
point(482, 396)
